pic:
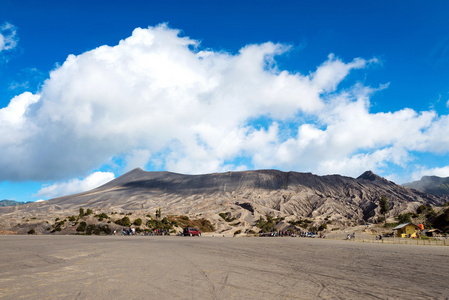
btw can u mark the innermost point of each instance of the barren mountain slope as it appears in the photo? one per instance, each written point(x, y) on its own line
point(246, 195)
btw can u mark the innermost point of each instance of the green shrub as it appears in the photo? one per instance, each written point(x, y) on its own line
point(260, 222)
point(102, 216)
point(81, 227)
point(90, 229)
point(269, 225)
point(322, 227)
point(422, 208)
point(106, 229)
point(205, 225)
point(138, 222)
point(89, 212)
point(123, 222)
point(72, 219)
point(58, 228)
point(442, 221)
point(237, 232)
point(226, 216)
point(81, 212)
point(31, 231)
point(404, 218)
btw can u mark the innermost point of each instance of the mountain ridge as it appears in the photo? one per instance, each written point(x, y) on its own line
point(245, 195)
point(434, 185)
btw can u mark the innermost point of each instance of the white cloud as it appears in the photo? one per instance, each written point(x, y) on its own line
point(14, 113)
point(423, 171)
point(137, 158)
point(151, 98)
point(8, 38)
point(74, 186)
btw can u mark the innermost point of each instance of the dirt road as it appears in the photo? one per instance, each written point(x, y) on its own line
point(119, 267)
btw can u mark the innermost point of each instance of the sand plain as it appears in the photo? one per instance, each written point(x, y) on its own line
point(139, 267)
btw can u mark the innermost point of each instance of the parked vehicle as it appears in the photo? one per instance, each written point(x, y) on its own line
point(190, 231)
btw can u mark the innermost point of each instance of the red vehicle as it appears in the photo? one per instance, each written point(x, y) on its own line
point(191, 231)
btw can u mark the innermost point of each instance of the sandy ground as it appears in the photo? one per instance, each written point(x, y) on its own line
point(119, 267)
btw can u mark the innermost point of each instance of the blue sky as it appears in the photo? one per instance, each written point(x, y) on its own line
point(92, 89)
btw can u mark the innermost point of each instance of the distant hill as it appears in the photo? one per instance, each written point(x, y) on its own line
point(11, 203)
point(431, 184)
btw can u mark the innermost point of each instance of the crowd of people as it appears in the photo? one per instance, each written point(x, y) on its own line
point(132, 231)
point(292, 233)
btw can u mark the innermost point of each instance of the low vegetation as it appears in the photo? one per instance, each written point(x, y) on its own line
point(226, 216)
point(303, 223)
point(164, 224)
point(57, 226)
point(84, 228)
point(425, 215)
point(101, 216)
point(81, 227)
point(442, 221)
point(202, 224)
point(268, 224)
point(125, 221)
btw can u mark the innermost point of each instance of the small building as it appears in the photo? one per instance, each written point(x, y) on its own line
point(407, 230)
point(432, 232)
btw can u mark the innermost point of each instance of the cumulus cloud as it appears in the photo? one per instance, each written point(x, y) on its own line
point(424, 171)
point(8, 37)
point(74, 186)
point(158, 98)
point(137, 158)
